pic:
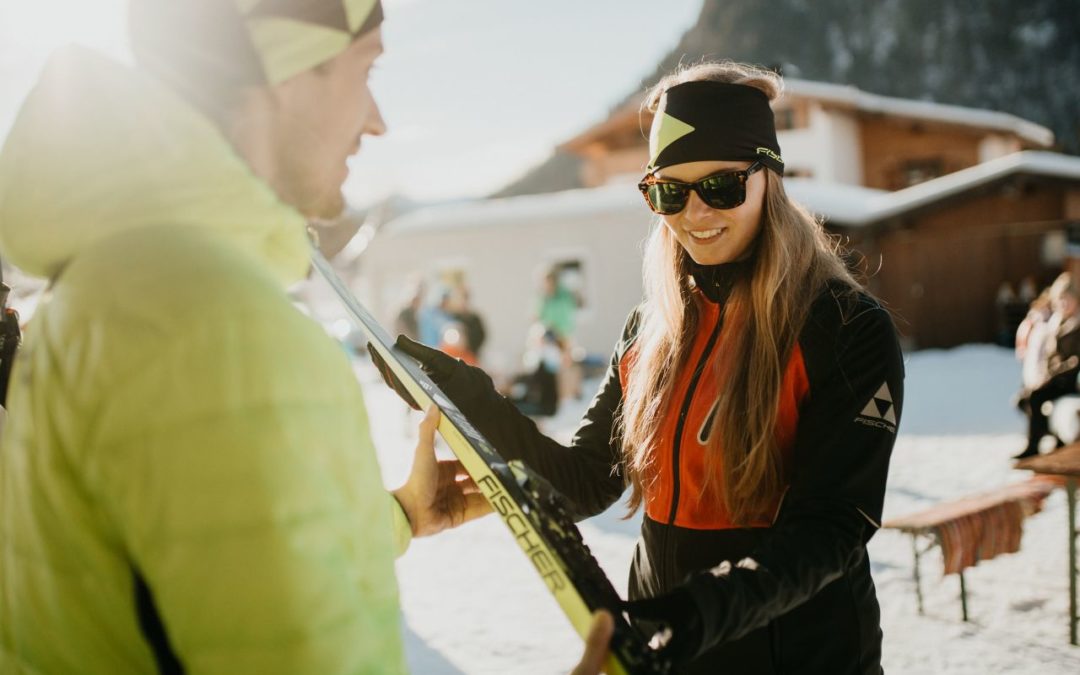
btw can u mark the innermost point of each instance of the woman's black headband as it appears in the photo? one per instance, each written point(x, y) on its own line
point(710, 121)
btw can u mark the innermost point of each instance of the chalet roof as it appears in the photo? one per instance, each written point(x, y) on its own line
point(891, 204)
point(852, 98)
point(857, 99)
point(840, 204)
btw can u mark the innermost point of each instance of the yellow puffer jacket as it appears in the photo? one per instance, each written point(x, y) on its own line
point(186, 470)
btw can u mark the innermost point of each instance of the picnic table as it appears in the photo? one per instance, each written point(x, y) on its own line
point(1063, 462)
point(972, 529)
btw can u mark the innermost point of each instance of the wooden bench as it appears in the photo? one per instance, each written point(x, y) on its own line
point(973, 529)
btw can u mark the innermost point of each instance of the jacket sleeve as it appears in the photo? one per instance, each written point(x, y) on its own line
point(1066, 355)
point(238, 474)
point(845, 436)
point(588, 470)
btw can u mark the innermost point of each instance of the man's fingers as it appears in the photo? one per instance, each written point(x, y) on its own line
point(430, 423)
point(452, 471)
point(468, 486)
point(596, 644)
point(459, 468)
point(599, 637)
point(475, 507)
point(459, 508)
point(425, 442)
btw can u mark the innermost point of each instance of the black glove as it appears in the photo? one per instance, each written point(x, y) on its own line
point(684, 637)
point(439, 366)
point(514, 435)
point(448, 373)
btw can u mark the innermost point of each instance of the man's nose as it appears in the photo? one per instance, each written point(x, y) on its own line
point(376, 125)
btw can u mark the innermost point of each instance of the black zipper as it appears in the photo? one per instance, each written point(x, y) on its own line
point(685, 412)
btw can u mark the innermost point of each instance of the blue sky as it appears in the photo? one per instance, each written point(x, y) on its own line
point(474, 91)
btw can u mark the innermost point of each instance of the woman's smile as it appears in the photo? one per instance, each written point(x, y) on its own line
point(707, 236)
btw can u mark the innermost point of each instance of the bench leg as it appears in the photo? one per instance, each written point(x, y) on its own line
point(963, 597)
point(1070, 492)
point(918, 583)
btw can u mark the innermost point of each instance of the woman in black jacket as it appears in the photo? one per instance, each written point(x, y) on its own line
point(751, 404)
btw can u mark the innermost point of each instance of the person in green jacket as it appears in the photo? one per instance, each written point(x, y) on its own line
point(558, 307)
point(187, 481)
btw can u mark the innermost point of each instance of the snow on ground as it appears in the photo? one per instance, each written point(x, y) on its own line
point(472, 603)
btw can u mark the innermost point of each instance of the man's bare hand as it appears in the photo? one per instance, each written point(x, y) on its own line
point(596, 645)
point(439, 494)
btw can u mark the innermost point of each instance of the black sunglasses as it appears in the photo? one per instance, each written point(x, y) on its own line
point(723, 190)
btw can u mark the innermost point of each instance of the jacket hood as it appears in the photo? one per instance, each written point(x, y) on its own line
point(99, 148)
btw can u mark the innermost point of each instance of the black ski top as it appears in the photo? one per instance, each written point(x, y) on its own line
point(808, 604)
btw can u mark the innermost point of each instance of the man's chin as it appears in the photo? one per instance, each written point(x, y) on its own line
point(329, 208)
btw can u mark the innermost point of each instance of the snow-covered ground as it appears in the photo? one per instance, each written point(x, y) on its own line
point(472, 603)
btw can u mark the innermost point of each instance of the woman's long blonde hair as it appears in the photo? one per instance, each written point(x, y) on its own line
point(792, 259)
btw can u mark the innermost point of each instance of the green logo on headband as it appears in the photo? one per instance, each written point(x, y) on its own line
point(665, 131)
point(770, 153)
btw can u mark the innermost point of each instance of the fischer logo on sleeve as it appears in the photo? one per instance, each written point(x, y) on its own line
point(879, 410)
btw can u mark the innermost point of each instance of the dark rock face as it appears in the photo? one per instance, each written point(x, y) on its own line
point(1015, 56)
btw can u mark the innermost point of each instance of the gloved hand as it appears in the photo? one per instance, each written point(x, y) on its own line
point(510, 432)
point(453, 376)
point(422, 354)
point(683, 635)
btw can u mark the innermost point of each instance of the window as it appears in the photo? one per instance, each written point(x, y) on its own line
point(793, 115)
point(785, 119)
point(915, 171)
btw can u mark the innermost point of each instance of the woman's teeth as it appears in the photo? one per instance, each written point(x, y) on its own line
point(706, 234)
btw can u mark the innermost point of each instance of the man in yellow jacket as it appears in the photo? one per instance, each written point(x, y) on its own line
point(187, 482)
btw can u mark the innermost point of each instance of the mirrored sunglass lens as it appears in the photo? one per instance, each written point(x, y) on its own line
point(667, 197)
point(723, 191)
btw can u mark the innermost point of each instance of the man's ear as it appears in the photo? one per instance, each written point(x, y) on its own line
point(248, 117)
point(256, 104)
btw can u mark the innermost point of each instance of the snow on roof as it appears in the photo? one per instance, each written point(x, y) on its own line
point(891, 204)
point(840, 204)
point(616, 198)
point(853, 97)
point(924, 110)
point(836, 202)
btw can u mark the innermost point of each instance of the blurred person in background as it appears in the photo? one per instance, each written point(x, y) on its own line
point(471, 322)
point(1026, 290)
point(187, 476)
point(535, 391)
point(407, 321)
point(454, 342)
point(558, 306)
point(433, 318)
point(750, 406)
point(1031, 343)
point(1055, 360)
point(558, 313)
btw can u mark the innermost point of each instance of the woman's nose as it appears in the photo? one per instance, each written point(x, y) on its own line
point(697, 210)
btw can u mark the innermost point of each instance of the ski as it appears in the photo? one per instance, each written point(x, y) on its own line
point(536, 514)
